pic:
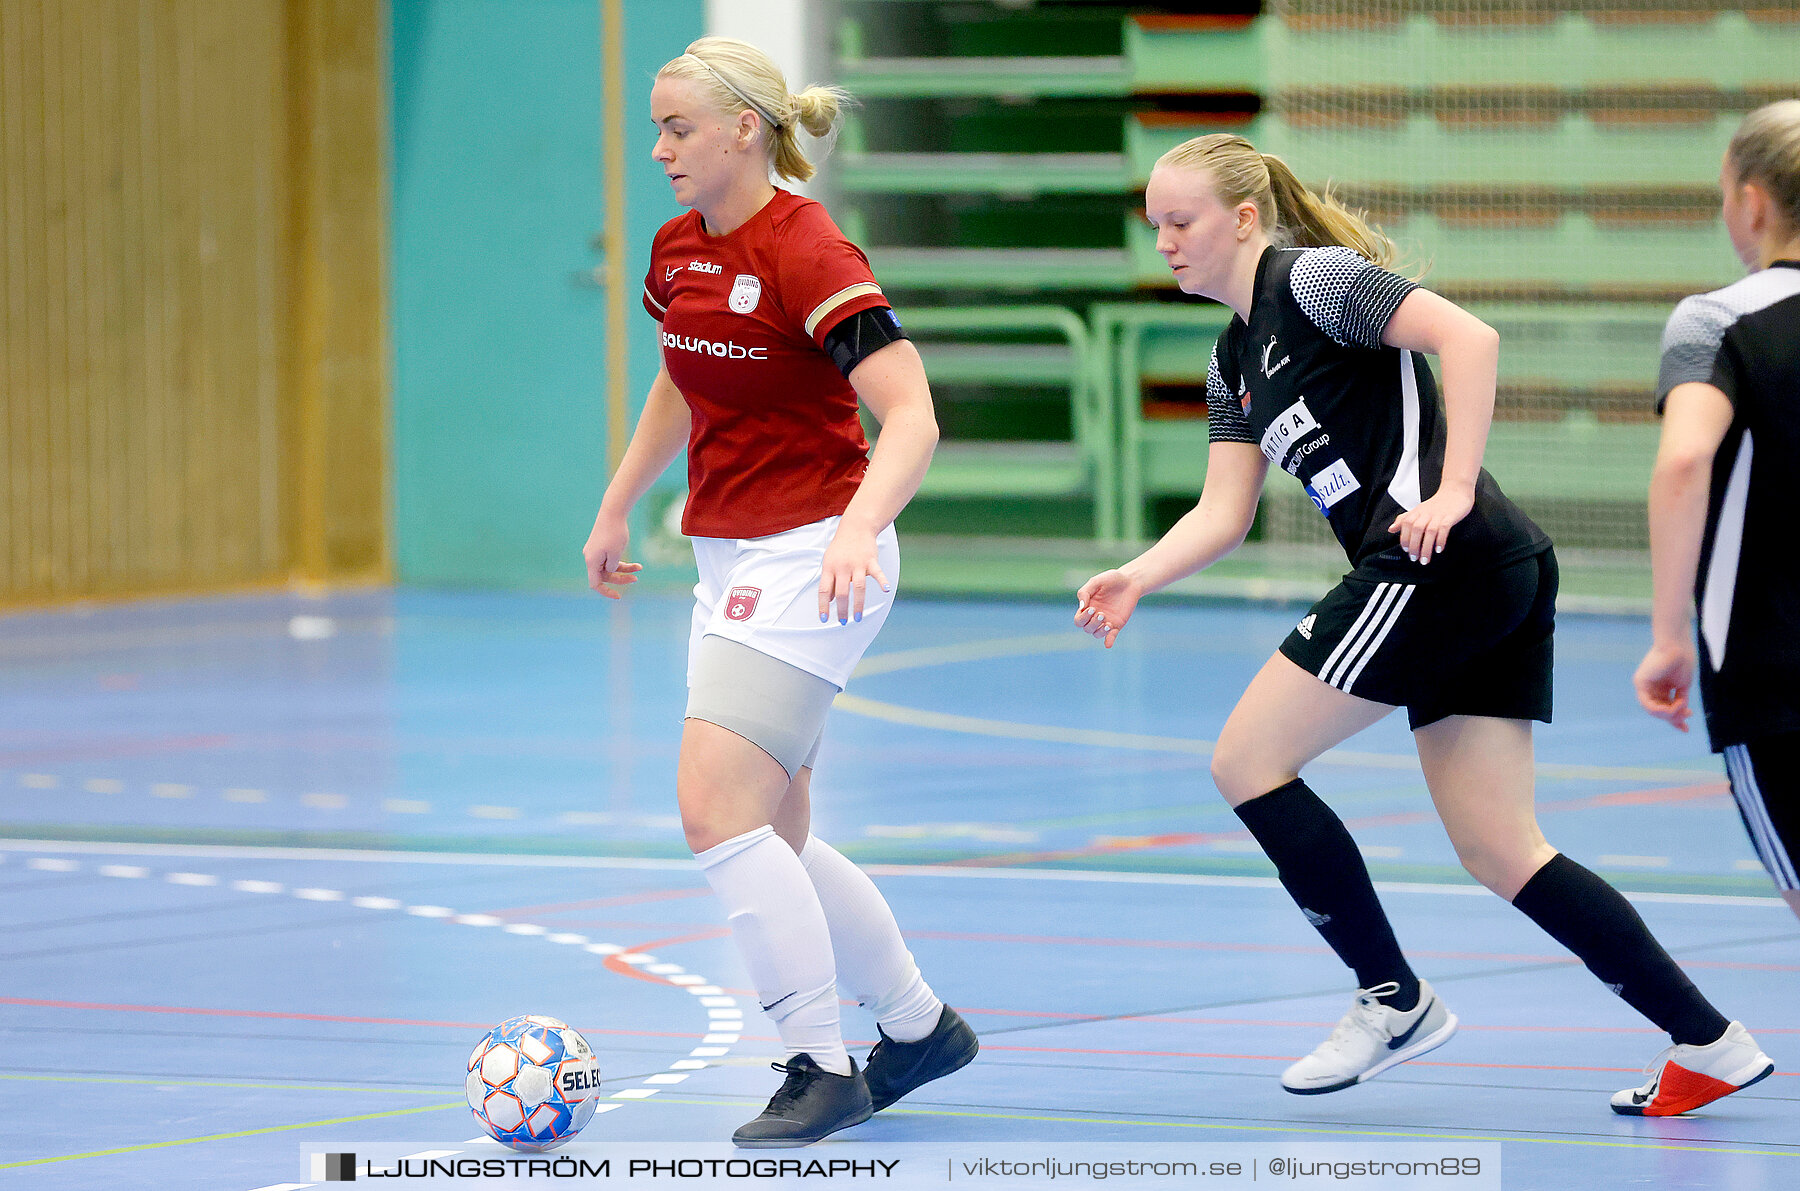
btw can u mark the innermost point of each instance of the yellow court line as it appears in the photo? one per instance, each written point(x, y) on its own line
point(939, 655)
point(188, 1141)
point(1288, 1129)
point(198, 1083)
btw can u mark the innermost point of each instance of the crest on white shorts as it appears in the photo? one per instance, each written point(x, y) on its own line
point(741, 604)
point(746, 292)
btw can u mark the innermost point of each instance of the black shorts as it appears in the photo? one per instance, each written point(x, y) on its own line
point(1478, 644)
point(1765, 779)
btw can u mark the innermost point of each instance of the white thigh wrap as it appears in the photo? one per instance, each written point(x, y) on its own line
point(777, 707)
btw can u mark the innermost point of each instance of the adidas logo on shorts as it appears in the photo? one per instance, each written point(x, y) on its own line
point(1305, 627)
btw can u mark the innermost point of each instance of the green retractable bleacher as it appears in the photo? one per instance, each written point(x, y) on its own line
point(1551, 164)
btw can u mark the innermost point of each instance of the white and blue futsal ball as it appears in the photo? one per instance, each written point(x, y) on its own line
point(533, 1082)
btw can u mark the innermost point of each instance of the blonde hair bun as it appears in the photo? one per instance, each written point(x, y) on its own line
point(735, 76)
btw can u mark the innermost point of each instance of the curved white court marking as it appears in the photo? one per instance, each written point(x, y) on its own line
point(724, 1016)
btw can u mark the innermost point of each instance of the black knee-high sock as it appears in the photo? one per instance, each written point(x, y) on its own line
point(1323, 871)
point(1592, 919)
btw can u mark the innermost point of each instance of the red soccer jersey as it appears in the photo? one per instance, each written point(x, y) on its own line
point(776, 442)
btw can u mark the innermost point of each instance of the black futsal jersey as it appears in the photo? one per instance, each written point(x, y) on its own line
point(1745, 341)
point(1361, 425)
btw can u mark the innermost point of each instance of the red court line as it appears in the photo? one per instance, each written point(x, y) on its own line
point(1396, 818)
point(988, 1046)
point(339, 1018)
point(1259, 948)
point(1204, 945)
point(1188, 1054)
point(1200, 945)
point(615, 964)
point(1713, 789)
point(1161, 1019)
point(123, 748)
point(1300, 949)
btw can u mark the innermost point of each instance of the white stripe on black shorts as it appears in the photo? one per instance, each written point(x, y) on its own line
point(1476, 644)
point(1764, 774)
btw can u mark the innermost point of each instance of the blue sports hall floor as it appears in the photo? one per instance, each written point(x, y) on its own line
point(272, 864)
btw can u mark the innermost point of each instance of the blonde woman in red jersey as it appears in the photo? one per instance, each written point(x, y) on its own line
point(772, 328)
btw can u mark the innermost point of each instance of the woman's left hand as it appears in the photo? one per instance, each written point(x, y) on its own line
point(1425, 527)
point(850, 562)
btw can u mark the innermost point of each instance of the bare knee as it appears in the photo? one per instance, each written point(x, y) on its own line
point(724, 784)
point(709, 822)
point(1504, 866)
point(1241, 774)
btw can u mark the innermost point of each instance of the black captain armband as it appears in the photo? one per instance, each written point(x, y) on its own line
point(861, 335)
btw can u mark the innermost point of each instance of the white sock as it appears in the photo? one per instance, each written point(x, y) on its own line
point(781, 933)
point(876, 967)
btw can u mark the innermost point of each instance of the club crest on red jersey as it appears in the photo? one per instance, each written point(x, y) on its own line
point(746, 292)
point(741, 604)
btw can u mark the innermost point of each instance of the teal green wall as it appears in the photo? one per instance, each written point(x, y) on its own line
point(499, 358)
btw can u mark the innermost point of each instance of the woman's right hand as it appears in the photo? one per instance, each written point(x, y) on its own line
point(1663, 680)
point(1107, 601)
point(605, 553)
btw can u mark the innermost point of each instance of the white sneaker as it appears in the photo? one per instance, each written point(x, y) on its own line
point(1371, 1038)
point(1682, 1078)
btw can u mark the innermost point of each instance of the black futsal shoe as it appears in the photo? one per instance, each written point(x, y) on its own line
point(811, 1104)
point(896, 1068)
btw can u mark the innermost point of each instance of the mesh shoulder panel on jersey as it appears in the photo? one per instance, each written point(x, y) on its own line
point(1345, 296)
point(1225, 421)
point(1690, 342)
point(1691, 338)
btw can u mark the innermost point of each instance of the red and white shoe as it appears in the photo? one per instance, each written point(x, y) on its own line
point(1682, 1078)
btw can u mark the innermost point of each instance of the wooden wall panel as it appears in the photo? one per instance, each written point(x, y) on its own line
point(156, 186)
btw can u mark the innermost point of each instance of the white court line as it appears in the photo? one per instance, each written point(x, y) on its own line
point(1098, 876)
point(679, 1071)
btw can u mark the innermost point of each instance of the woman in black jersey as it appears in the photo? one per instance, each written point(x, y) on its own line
point(1721, 525)
point(1448, 610)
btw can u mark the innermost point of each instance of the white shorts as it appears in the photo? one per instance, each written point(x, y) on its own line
point(764, 593)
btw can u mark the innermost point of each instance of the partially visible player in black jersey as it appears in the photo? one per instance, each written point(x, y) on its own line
point(1721, 533)
point(1448, 611)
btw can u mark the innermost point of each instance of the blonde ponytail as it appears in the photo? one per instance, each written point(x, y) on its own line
point(1309, 219)
point(735, 76)
point(1766, 150)
point(1292, 215)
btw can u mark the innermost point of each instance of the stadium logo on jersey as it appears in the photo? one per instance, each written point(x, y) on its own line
point(746, 292)
point(705, 267)
point(1268, 350)
point(1305, 627)
point(1290, 426)
point(712, 347)
point(741, 604)
point(1332, 485)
